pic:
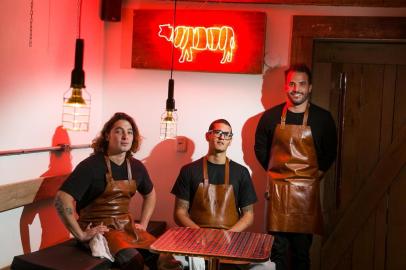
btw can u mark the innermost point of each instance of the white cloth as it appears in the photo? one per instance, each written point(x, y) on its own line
point(268, 265)
point(194, 263)
point(182, 260)
point(99, 247)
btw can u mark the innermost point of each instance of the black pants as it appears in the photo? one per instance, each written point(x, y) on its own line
point(135, 259)
point(291, 250)
point(227, 266)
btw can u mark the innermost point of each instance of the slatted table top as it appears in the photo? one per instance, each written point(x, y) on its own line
point(209, 243)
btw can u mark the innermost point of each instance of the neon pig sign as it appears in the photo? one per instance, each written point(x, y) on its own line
point(203, 40)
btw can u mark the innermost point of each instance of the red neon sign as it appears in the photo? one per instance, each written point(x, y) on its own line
point(214, 41)
point(199, 38)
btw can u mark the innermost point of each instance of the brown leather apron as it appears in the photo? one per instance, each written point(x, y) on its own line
point(111, 209)
point(293, 180)
point(214, 205)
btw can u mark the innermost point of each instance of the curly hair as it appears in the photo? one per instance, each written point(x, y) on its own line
point(100, 143)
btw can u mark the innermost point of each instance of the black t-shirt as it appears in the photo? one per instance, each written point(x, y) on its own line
point(321, 124)
point(191, 175)
point(88, 179)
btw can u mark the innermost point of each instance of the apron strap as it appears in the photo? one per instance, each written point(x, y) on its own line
point(306, 115)
point(284, 112)
point(226, 173)
point(110, 174)
point(106, 158)
point(205, 174)
point(130, 175)
point(283, 116)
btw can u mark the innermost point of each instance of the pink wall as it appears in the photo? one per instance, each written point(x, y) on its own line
point(33, 80)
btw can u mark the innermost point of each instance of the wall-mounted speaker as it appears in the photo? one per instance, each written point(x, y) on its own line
point(110, 10)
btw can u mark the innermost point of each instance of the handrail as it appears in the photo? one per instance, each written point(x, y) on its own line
point(25, 192)
point(61, 147)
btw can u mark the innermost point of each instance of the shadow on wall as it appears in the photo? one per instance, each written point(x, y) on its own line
point(272, 94)
point(53, 230)
point(163, 165)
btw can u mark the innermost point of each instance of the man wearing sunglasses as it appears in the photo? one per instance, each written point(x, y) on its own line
point(214, 191)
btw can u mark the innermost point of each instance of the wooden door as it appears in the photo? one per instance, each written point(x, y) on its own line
point(363, 84)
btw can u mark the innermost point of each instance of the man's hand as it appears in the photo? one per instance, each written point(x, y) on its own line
point(90, 232)
point(245, 220)
point(138, 226)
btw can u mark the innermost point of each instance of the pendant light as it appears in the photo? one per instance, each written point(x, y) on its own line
point(76, 101)
point(169, 119)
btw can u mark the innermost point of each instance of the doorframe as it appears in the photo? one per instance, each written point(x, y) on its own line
point(305, 30)
point(308, 28)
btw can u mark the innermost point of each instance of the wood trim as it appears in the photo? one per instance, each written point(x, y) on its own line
point(25, 192)
point(357, 3)
point(387, 169)
point(307, 28)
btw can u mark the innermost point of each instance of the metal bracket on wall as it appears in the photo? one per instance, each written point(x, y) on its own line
point(61, 147)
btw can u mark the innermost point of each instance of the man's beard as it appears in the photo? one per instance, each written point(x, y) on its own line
point(298, 101)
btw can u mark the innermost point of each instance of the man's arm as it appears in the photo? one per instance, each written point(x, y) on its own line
point(246, 219)
point(262, 144)
point(328, 144)
point(148, 206)
point(181, 214)
point(64, 204)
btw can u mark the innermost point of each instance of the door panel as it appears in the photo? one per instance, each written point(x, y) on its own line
point(369, 110)
point(396, 236)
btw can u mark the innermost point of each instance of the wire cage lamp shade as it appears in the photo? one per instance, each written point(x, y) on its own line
point(76, 100)
point(169, 118)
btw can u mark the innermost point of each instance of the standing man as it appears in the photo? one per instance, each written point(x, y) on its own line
point(101, 187)
point(296, 143)
point(215, 191)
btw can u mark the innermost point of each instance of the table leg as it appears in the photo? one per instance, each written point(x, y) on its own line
point(214, 264)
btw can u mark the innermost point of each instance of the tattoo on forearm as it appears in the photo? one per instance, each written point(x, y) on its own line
point(68, 211)
point(181, 204)
point(60, 209)
point(248, 208)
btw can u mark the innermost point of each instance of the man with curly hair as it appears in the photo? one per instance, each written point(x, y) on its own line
point(101, 187)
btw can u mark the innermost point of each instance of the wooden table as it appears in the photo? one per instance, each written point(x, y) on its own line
point(214, 245)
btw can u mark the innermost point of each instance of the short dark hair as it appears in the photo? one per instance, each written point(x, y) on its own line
point(100, 143)
point(220, 121)
point(300, 68)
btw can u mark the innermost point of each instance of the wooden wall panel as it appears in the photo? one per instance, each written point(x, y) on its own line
point(379, 255)
point(396, 248)
point(351, 179)
point(400, 100)
point(370, 198)
point(361, 52)
point(25, 192)
point(346, 261)
point(365, 203)
point(389, 88)
point(303, 44)
point(362, 3)
point(307, 28)
point(363, 247)
point(369, 128)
